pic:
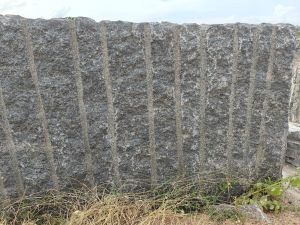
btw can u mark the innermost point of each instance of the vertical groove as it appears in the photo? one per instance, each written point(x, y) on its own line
point(283, 148)
point(111, 117)
point(147, 34)
point(293, 92)
point(82, 110)
point(2, 192)
point(11, 145)
point(260, 152)
point(203, 69)
point(296, 114)
point(230, 141)
point(177, 65)
point(40, 107)
point(250, 98)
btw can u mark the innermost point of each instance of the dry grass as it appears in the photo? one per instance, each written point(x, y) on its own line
point(168, 204)
point(178, 203)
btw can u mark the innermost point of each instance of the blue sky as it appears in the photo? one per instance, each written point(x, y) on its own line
point(179, 11)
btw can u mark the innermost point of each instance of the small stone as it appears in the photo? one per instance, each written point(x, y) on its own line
point(249, 211)
point(255, 212)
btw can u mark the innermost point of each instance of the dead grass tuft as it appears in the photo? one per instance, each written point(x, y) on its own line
point(167, 204)
point(180, 202)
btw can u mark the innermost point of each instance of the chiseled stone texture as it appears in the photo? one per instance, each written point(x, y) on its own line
point(133, 104)
point(293, 144)
point(295, 96)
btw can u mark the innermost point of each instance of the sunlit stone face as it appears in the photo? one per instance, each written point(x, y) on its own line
point(133, 105)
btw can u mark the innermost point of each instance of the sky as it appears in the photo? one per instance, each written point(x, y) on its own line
point(178, 11)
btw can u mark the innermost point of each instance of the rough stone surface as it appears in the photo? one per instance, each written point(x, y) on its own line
point(255, 212)
point(295, 96)
point(292, 195)
point(249, 211)
point(130, 105)
point(293, 144)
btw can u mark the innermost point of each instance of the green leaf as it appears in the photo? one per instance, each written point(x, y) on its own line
point(278, 207)
point(295, 181)
point(251, 201)
point(276, 191)
point(263, 201)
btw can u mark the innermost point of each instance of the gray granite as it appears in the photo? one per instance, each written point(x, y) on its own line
point(293, 144)
point(129, 105)
point(295, 96)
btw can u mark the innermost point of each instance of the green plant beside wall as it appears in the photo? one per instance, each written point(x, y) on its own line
point(268, 194)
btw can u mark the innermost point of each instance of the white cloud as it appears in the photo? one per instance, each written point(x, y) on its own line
point(180, 11)
point(289, 14)
point(11, 4)
point(283, 11)
point(280, 14)
point(62, 12)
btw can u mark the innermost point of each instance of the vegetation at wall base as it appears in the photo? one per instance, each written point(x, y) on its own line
point(268, 194)
point(177, 200)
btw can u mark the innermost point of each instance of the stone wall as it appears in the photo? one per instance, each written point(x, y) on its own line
point(133, 105)
point(293, 143)
point(295, 96)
